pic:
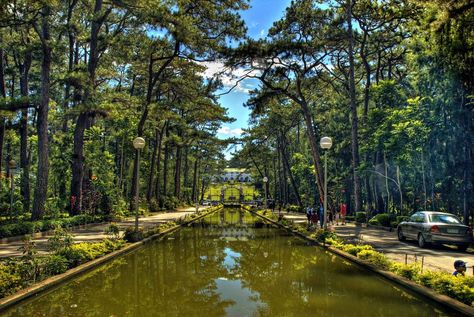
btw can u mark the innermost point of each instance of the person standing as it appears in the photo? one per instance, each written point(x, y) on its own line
point(321, 215)
point(308, 214)
point(343, 212)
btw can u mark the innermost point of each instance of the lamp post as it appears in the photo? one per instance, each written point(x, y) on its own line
point(138, 144)
point(265, 180)
point(325, 143)
point(12, 167)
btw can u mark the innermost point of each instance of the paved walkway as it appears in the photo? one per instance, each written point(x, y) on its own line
point(95, 232)
point(439, 258)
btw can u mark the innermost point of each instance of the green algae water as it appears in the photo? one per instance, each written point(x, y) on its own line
point(228, 264)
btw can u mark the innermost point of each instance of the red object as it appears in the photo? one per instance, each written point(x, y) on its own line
point(343, 209)
point(73, 201)
point(434, 229)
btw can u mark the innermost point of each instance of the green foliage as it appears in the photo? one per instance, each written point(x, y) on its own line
point(10, 281)
point(381, 220)
point(29, 227)
point(55, 264)
point(132, 235)
point(378, 259)
point(82, 252)
point(170, 203)
point(60, 240)
point(410, 271)
point(355, 249)
point(323, 236)
point(361, 217)
point(113, 231)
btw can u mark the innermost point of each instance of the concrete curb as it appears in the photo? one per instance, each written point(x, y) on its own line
point(446, 302)
point(56, 280)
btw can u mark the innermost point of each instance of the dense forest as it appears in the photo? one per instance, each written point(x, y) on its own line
point(390, 81)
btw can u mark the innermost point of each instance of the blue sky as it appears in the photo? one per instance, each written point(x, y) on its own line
point(259, 18)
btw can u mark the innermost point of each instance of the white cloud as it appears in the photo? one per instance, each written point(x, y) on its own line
point(229, 77)
point(230, 132)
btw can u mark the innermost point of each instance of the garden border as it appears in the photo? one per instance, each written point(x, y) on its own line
point(56, 280)
point(445, 301)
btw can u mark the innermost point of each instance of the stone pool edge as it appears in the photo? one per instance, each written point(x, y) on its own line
point(443, 300)
point(56, 280)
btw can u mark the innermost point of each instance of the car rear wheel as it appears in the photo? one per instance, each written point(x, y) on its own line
point(421, 241)
point(401, 237)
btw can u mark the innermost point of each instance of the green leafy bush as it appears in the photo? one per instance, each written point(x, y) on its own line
point(374, 257)
point(410, 271)
point(29, 227)
point(61, 239)
point(55, 264)
point(323, 236)
point(381, 220)
point(294, 208)
point(355, 249)
point(82, 252)
point(113, 231)
point(132, 235)
point(361, 216)
point(457, 287)
point(10, 281)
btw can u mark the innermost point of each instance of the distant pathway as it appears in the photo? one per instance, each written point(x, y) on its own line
point(438, 258)
point(95, 232)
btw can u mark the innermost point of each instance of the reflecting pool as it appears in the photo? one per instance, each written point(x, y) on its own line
point(228, 264)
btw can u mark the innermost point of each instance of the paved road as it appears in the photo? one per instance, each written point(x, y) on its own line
point(95, 232)
point(439, 258)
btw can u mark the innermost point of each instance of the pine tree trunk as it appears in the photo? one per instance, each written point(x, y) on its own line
point(177, 173)
point(354, 121)
point(41, 189)
point(78, 164)
point(3, 93)
point(195, 177)
point(24, 161)
point(151, 183)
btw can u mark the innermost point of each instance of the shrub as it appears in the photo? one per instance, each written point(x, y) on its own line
point(55, 264)
point(60, 240)
point(410, 271)
point(85, 251)
point(294, 208)
point(113, 231)
point(355, 249)
point(374, 222)
point(170, 202)
point(458, 287)
point(322, 235)
point(132, 235)
point(350, 218)
point(361, 216)
point(374, 257)
point(10, 281)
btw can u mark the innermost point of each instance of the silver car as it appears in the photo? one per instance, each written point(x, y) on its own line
point(430, 227)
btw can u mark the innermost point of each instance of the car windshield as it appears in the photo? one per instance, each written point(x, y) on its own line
point(444, 219)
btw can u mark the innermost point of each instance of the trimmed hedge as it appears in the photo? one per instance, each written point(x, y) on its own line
point(29, 227)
